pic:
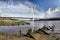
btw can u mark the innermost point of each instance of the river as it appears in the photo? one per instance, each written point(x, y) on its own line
point(24, 28)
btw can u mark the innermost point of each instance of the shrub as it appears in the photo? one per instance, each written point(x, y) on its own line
point(1, 33)
point(29, 32)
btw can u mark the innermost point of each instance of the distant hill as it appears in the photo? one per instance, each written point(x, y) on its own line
point(50, 19)
point(8, 21)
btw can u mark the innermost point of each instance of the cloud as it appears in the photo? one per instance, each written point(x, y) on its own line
point(19, 10)
point(49, 13)
point(26, 9)
point(53, 13)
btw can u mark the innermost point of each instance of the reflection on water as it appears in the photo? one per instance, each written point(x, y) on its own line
point(24, 28)
point(14, 29)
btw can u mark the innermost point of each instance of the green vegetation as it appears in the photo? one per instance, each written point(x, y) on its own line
point(37, 35)
point(29, 32)
point(8, 22)
point(2, 33)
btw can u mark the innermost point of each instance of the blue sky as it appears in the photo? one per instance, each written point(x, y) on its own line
point(46, 4)
point(24, 8)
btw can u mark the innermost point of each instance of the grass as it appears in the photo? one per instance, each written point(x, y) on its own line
point(8, 22)
point(37, 35)
point(2, 33)
point(32, 36)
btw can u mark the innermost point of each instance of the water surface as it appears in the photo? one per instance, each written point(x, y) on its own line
point(24, 28)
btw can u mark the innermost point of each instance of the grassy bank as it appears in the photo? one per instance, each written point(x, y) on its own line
point(7, 22)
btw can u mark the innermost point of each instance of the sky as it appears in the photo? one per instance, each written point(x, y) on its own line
point(30, 8)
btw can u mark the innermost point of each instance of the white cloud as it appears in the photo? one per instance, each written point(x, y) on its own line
point(25, 10)
point(53, 13)
point(15, 10)
point(20, 10)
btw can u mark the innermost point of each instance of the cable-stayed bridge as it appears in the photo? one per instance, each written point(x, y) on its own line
point(27, 18)
point(21, 18)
